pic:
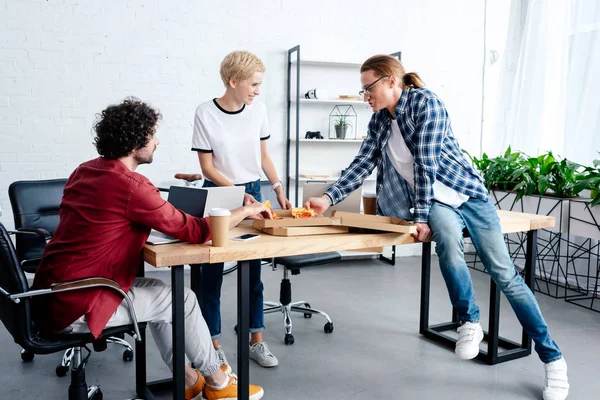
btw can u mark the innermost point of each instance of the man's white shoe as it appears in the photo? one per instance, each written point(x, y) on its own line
point(469, 336)
point(260, 353)
point(557, 382)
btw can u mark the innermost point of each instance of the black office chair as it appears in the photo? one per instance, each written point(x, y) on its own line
point(35, 207)
point(15, 313)
point(285, 305)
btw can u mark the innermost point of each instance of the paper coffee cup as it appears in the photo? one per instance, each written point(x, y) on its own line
point(370, 203)
point(218, 219)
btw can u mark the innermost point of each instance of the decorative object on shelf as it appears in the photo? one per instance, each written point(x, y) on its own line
point(313, 135)
point(349, 97)
point(320, 94)
point(343, 120)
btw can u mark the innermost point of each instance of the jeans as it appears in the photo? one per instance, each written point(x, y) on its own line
point(481, 220)
point(212, 279)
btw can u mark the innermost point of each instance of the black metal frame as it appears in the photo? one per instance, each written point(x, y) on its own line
point(492, 355)
point(146, 389)
point(552, 260)
point(295, 49)
point(392, 259)
point(589, 250)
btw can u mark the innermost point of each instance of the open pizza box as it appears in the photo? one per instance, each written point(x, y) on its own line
point(290, 226)
point(288, 221)
point(374, 222)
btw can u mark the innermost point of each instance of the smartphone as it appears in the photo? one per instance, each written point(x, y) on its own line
point(247, 236)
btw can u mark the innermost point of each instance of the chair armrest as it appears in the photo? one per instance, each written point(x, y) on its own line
point(85, 283)
point(42, 233)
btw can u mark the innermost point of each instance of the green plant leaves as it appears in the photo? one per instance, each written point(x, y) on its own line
point(542, 175)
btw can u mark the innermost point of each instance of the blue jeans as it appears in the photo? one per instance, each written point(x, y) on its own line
point(212, 278)
point(481, 220)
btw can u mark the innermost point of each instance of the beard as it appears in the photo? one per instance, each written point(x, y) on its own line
point(143, 159)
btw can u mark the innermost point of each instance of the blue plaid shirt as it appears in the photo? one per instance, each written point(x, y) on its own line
point(425, 127)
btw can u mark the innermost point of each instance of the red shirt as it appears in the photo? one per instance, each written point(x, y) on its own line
point(106, 215)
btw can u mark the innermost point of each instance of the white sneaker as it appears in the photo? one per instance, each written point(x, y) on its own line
point(470, 335)
point(557, 383)
point(223, 359)
point(261, 354)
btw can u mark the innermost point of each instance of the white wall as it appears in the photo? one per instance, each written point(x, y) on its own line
point(63, 61)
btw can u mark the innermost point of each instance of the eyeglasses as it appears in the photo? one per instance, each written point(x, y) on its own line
point(365, 91)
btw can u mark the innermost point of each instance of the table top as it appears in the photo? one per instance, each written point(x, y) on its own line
point(267, 246)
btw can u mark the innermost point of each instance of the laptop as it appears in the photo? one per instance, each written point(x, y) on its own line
point(189, 200)
point(229, 197)
point(349, 204)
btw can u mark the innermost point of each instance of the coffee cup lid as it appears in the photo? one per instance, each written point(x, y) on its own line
point(219, 212)
point(369, 195)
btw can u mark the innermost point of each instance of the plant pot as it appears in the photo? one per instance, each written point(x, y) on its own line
point(340, 131)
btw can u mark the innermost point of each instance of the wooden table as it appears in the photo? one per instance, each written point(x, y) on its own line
point(178, 254)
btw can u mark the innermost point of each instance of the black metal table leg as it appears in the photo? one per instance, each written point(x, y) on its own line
point(492, 356)
point(178, 333)
point(243, 313)
point(196, 280)
point(425, 286)
point(391, 260)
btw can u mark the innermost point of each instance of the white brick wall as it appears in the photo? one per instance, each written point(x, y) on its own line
point(62, 61)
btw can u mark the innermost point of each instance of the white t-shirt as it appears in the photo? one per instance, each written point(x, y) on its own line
point(233, 137)
point(403, 161)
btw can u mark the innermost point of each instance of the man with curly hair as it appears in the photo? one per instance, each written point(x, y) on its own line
point(106, 215)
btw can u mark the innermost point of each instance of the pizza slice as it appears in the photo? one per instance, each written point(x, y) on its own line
point(298, 213)
point(270, 207)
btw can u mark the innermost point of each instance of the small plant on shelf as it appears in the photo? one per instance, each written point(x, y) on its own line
point(343, 120)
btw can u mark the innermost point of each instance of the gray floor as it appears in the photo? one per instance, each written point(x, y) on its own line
point(375, 351)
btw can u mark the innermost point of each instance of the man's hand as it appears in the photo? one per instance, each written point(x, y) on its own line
point(283, 201)
point(319, 204)
point(249, 199)
point(257, 210)
point(423, 232)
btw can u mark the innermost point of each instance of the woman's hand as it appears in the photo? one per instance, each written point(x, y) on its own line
point(283, 201)
point(423, 233)
point(319, 204)
point(249, 199)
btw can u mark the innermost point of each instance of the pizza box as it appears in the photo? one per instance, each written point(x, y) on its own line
point(374, 222)
point(288, 221)
point(305, 230)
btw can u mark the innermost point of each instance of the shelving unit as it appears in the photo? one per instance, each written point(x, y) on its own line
point(330, 154)
point(333, 102)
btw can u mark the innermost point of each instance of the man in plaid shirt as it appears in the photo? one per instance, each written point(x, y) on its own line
point(423, 176)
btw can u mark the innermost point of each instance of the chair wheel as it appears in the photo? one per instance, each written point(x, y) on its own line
point(328, 328)
point(307, 315)
point(61, 370)
point(27, 356)
point(128, 355)
point(96, 395)
point(289, 338)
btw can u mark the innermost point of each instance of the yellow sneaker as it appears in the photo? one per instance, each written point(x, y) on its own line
point(230, 391)
point(195, 391)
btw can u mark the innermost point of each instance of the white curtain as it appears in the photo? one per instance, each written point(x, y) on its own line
point(535, 117)
point(582, 134)
point(548, 95)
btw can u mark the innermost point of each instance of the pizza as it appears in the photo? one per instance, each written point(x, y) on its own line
point(273, 215)
point(302, 212)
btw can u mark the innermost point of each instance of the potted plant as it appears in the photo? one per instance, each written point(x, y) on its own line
point(538, 185)
point(341, 127)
